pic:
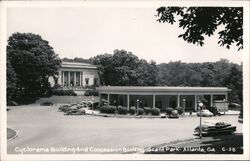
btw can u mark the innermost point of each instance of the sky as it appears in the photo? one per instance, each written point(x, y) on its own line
point(89, 31)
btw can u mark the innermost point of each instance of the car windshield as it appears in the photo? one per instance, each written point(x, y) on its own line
point(213, 122)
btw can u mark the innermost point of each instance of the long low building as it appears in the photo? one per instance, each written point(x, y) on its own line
point(162, 96)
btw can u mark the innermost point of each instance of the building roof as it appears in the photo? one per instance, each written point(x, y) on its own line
point(66, 64)
point(162, 89)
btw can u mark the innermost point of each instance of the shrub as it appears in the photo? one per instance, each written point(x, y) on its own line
point(91, 93)
point(62, 92)
point(132, 110)
point(122, 110)
point(155, 111)
point(169, 110)
point(57, 86)
point(108, 109)
point(147, 110)
point(140, 111)
point(180, 110)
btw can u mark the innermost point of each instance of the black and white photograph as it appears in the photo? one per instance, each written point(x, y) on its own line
point(124, 80)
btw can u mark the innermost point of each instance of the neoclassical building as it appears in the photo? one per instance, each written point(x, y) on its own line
point(76, 75)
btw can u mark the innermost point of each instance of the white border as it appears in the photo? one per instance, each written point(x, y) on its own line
point(3, 37)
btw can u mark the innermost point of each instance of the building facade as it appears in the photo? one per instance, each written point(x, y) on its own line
point(76, 75)
point(161, 97)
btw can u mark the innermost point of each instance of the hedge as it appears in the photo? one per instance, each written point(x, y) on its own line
point(155, 111)
point(132, 110)
point(122, 110)
point(140, 111)
point(63, 92)
point(180, 110)
point(147, 110)
point(108, 109)
point(169, 110)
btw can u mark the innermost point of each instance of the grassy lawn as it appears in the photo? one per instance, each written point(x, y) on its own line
point(10, 133)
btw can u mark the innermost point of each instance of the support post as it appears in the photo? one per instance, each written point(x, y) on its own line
point(211, 100)
point(108, 99)
point(178, 100)
point(195, 102)
point(154, 101)
point(128, 101)
point(100, 99)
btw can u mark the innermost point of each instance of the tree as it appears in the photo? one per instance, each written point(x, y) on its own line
point(11, 82)
point(33, 61)
point(234, 81)
point(203, 21)
point(105, 69)
point(125, 69)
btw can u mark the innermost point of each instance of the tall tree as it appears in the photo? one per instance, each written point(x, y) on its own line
point(33, 61)
point(11, 83)
point(199, 22)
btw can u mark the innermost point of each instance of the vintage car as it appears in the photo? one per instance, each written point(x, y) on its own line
point(63, 107)
point(174, 115)
point(214, 128)
point(76, 112)
point(205, 113)
point(46, 103)
point(163, 115)
point(240, 118)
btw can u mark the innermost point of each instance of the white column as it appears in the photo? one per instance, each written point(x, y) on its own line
point(108, 99)
point(80, 83)
point(62, 78)
point(74, 78)
point(153, 101)
point(211, 100)
point(178, 101)
point(128, 100)
point(59, 80)
point(82, 80)
point(226, 97)
point(195, 102)
point(68, 78)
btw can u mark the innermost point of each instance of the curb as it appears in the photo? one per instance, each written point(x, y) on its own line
point(122, 116)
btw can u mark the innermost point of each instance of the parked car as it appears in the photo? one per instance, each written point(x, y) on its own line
point(240, 118)
point(76, 112)
point(214, 128)
point(63, 107)
point(174, 115)
point(205, 113)
point(214, 110)
point(46, 103)
point(86, 103)
point(163, 115)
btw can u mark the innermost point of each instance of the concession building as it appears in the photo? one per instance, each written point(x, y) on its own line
point(162, 96)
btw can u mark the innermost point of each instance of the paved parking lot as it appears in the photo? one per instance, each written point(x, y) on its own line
point(46, 128)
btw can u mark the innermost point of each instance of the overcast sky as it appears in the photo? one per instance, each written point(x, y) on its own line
point(87, 32)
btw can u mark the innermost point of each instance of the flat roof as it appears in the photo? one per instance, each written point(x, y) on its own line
point(66, 64)
point(170, 89)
